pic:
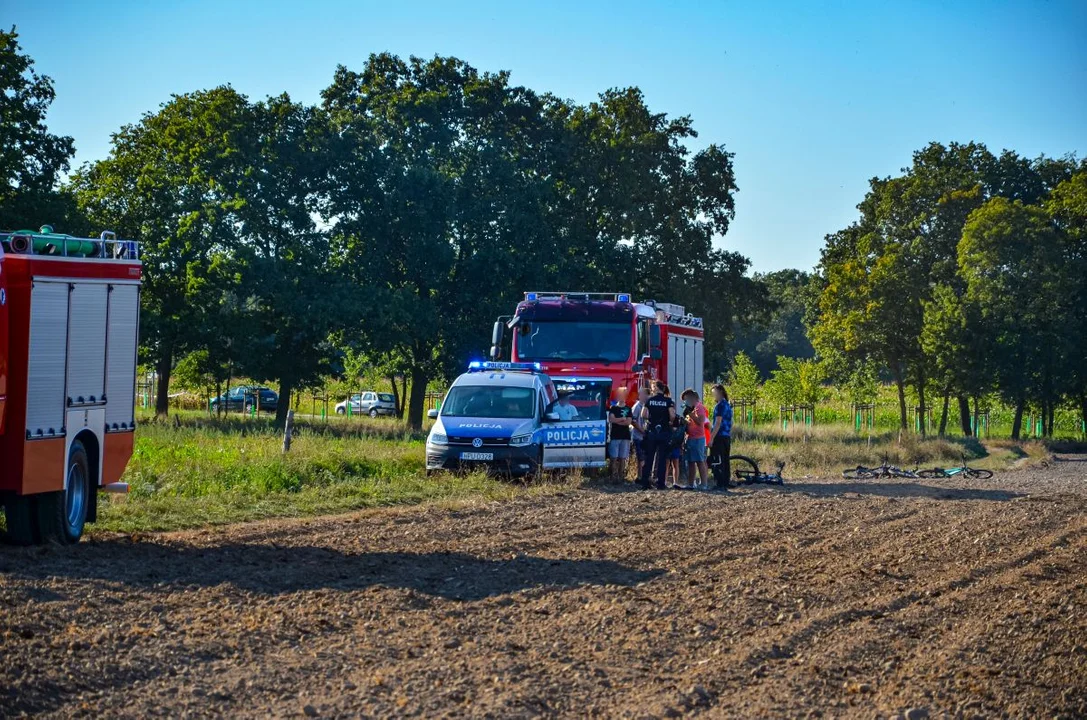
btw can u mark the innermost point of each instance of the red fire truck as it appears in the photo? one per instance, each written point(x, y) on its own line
point(69, 315)
point(594, 343)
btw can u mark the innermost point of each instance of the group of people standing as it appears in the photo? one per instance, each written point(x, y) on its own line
point(664, 437)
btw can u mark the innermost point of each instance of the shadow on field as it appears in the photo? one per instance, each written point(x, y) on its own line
point(899, 490)
point(274, 570)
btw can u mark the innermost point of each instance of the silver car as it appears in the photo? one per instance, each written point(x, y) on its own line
point(368, 403)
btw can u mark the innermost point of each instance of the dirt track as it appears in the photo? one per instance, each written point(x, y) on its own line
point(827, 599)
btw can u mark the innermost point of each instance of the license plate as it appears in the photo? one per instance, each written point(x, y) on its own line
point(476, 456)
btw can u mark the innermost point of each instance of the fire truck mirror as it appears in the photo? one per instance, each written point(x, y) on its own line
point(655, 353)
point(496, 334)
point(654, 341)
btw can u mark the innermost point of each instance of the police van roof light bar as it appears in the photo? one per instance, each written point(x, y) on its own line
point(478, 366)
point(535, 295)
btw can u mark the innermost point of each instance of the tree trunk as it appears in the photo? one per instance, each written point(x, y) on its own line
point(286, 387)
point(964, 416)
point(403, 395)
point(1017, 420)
point(1083, 410)
point(218, 394)
point(977, 419)
point(903, 419)
point(417, 399)
point(162, 392)
point(1052, 419)
point(944, 413)
point(397, 400)
point(922, 410)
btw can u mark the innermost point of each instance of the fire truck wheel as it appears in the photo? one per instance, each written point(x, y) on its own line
point(62, 514)
point(19, 513)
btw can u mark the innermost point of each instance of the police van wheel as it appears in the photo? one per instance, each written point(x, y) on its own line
point(19, 515)
point(62, 514)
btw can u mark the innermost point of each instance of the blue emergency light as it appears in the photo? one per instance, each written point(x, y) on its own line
point(530, 296)
point(622, 297)
point(476, 366)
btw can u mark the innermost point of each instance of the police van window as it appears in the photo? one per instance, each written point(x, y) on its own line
point(489, 402)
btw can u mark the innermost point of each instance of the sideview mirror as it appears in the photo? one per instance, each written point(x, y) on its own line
point(654, 336)
point(496, 333)
point(655, 353)
point(636, 367)
point(551, 417)
point(432, 413)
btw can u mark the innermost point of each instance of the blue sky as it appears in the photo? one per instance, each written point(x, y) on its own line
point(813, 98)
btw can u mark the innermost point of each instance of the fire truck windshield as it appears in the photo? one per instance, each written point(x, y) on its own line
point(574, 340)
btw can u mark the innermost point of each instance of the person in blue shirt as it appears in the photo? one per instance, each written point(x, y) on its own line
point(721, 438)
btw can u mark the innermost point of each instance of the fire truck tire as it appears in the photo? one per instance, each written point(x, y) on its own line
point(62, 514)
point(19, 514)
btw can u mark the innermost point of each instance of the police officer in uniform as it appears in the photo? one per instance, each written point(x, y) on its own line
point(658, 413)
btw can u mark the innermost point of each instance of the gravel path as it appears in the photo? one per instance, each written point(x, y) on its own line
point(825, 598)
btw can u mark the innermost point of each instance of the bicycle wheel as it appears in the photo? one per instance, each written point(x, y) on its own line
point(897, 472)
point(858, 473)
point(932, 473)
point(744, 469)
point(978, 474)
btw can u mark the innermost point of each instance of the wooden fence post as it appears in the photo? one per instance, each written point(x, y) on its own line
point(287, 428)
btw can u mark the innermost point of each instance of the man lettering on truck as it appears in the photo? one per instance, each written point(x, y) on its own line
point(659, 413)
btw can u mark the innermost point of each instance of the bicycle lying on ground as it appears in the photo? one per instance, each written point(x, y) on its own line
point(746, 471)
point(883, 471)
point(964, 470)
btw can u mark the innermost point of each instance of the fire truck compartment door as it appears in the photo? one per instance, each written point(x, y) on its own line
point(46, 355)
point(684, 363)
point(573, 444)
point(124, 311)
point(87, 344)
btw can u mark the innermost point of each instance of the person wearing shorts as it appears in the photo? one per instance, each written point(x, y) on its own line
point(695, 447)
point(620, 418)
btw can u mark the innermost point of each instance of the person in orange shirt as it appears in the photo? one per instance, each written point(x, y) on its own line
point(694, 413)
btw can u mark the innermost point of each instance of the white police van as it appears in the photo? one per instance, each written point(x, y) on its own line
point(498, 415)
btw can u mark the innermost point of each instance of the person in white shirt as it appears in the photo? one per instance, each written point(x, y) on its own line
point(564, 409)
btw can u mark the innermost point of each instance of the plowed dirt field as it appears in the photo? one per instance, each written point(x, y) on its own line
point(822, 599)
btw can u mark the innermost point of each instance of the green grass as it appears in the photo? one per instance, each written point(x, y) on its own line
point(194, 470)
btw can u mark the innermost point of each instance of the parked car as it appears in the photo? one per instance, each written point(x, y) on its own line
point(369, 403)
point(243, 398)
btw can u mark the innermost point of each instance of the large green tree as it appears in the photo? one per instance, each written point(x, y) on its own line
point(1067, 205)
point(1011, 258)
point(32, 159)
point(168, 182)
point(452, 191)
